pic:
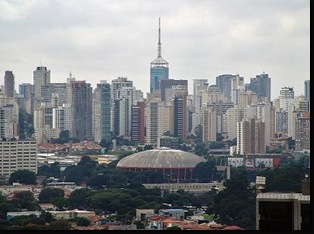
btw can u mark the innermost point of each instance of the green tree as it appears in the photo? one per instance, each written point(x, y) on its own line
point(46, 216)
point(235, 205)
point(52, 170)
point(97, 181)
point(106, 144)
point(78, 198)
point(206, 171)
point(139, 224)
point(200, 149)
point(148, 147)
point(60, 202)
point(48, 194)
point(286, 177)
point(82, 221)
point(25, 201)
point(23, 176)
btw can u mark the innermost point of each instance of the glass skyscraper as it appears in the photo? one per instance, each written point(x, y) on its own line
point(159, 68)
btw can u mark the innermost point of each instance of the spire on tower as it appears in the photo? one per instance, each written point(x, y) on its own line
point(159, 41)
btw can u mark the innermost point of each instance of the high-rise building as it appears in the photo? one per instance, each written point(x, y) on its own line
point(237, 87)
point(213, 95)
point(9, 84)
point(247, 98)
point(8, 124)
point(101, 112)
point(286, 97)
point(168, 84)
point(53, 89)
point(251, 136)
point(307, 92)
point(138, 123)
point(281, 122)
point(122, 116)
point(261, 85)
point(159, 68)
point(80, 98)
point(43, 124)
point(209, 125)
point(154, 118)
point(224, 83)
point(17, 155)
point(266, 113)
point(122, 111)
point(41, 77)
point(27, 90)
point(302, 131)
point(180, 113)
point(62, 117)
point(236, 114)
point(116, 93)
point(199, 87)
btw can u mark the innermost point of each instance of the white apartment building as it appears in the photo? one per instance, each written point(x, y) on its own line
point(236, 114)
point(62, 117)
point(17, 155)
point(199, 87)
point(155, 111)
point(43, 124)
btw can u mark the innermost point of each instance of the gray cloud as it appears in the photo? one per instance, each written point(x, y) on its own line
point(98, 39)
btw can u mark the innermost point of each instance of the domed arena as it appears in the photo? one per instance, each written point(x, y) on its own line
point(172, 164)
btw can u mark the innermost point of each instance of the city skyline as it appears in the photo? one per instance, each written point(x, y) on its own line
point(200, 40)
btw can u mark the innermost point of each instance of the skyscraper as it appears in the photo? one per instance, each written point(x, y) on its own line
point(251, 136)
point(8, 84)
point(41, 76)
point(159, 68)
point(228, 84)
point(80, 99)
point(199, 86)
point(302, 131)
point(261, 85)
point(116, 93)
point(103, 107)
point(180, 114)
point(209, 125)
point(138, 123)
point(168, 84)
point(307, 93)
point(27, 90)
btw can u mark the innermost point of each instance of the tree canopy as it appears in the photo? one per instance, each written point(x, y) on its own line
point(23, 177)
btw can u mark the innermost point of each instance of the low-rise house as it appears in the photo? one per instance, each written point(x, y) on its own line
point(70, 214)
point(144, 214)
point(11, 215)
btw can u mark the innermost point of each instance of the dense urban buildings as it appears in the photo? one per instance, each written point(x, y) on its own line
point(226, 119)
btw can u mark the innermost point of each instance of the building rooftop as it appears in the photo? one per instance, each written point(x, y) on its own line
point(161, 158)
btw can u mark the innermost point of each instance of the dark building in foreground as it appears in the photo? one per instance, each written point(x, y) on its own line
point(284, 211)
point(174, 165)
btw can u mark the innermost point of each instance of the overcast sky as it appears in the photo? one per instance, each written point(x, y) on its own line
point(104, 39)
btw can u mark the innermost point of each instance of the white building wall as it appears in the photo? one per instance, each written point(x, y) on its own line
point(17, 155)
